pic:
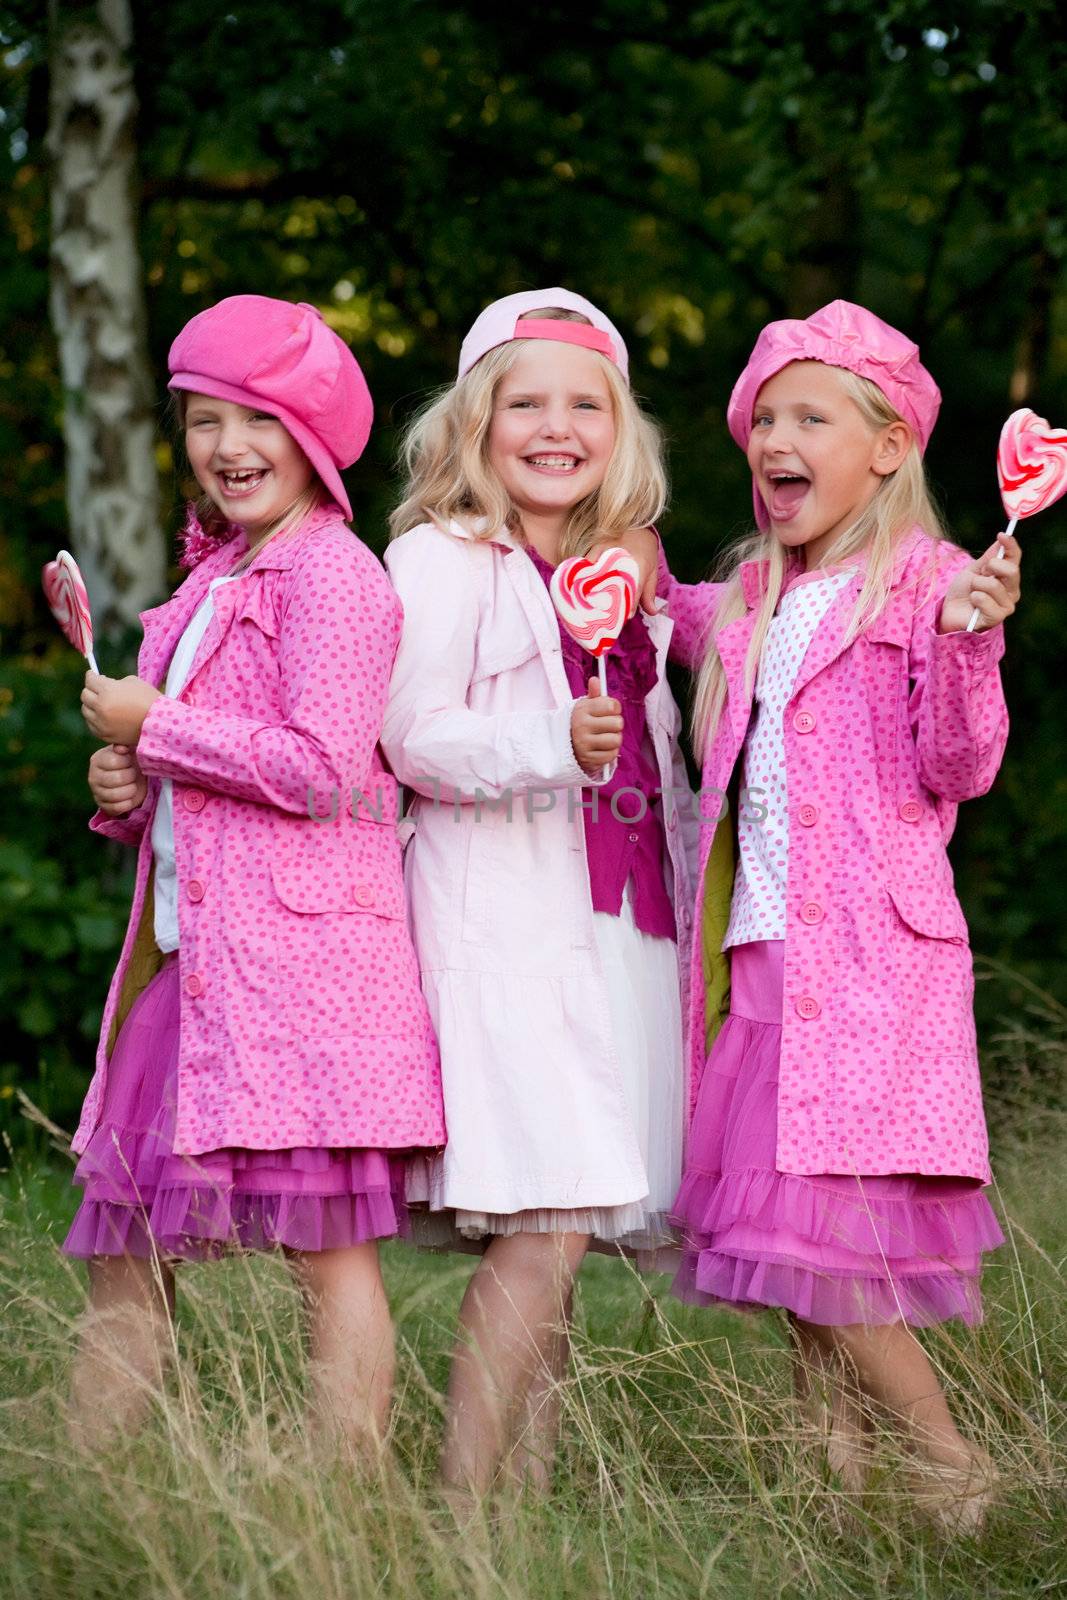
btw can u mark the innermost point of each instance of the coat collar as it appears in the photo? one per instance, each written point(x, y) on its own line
point(164, 624)
point(503, 538)
point(893, 624)
point(754, 574)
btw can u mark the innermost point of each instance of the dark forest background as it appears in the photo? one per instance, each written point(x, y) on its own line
point(697, 169)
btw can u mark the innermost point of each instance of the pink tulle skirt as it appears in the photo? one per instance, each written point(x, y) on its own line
point(833, 1250)
point(140, 1196)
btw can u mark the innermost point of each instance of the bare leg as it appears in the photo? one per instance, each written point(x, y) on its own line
point(533, 1457)
point(508, 1336)
point(826, 1387)
point(350, 1344)
point(123, 1348)
point(894, 1370)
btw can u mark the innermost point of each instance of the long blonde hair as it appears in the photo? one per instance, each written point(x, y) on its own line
point(445, 456)
point(901, 501)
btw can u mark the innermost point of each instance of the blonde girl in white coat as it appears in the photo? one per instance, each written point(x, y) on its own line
point(549, 941)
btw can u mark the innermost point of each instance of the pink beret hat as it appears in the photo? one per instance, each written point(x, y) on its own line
point(500, 324)
point(282, 357)
point(840, 335)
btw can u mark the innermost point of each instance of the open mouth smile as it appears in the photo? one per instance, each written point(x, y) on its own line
point(788, 491)
point(559, 465)
point(239, 483)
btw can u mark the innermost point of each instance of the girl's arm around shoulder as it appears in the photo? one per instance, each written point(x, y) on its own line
point(435, 743)
point(690, 606)
point(956, 706)
point(338, 628)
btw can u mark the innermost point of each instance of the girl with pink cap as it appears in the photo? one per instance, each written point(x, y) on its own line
point(549, 885)
point(266, 1060)
point(837, 1152)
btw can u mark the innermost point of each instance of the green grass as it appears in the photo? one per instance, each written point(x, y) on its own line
point(684, 1471)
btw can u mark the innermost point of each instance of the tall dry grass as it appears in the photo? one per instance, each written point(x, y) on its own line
point(684, 1469)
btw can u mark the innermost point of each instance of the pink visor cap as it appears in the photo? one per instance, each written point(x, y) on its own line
point(283, 358)
point(500, 323)
point(840, 335)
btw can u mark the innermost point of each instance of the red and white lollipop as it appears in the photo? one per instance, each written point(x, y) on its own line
point(595, 597)
point(1031, 470)
point(68, 600)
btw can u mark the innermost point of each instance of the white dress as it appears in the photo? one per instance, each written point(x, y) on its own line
point(561, 1028)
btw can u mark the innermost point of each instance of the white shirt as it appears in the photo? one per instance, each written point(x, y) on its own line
point(758, 908)
point(166, 879)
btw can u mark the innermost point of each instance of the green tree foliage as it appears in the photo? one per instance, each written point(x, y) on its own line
point(698, 168)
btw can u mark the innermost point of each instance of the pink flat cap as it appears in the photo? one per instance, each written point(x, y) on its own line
point(500, 323)
point(840, 335)
point(282, 357)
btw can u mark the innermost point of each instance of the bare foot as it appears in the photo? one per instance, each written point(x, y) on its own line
point(955, 1498)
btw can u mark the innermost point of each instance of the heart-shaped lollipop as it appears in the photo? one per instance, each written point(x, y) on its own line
point(595, 596)
point(1031, 464)
point(1031, 470)
point(68, 599)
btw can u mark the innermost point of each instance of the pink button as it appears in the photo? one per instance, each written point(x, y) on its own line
point(811, 911)
point(632, 838)
point(194, 800)
point(195, 889)
point(364, 895)
point(804, 721)
point(808, 1007)
point(194, 984)
point(911, 811)
point(808, 816)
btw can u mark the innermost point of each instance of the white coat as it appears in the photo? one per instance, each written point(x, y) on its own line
point(478, 726)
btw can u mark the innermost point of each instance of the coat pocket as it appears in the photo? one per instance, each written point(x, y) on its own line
point(495, 655)
point(932, 912)
point(932, 978)
point(342, 934)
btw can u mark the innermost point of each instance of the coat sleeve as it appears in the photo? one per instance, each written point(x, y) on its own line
point(959, 720)
point(127, 829)
point(691, 607)
point(435, 743)
point(340, 623)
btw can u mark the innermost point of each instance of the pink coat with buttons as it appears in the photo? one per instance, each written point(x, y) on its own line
point(302, 1020)
point(883, 738)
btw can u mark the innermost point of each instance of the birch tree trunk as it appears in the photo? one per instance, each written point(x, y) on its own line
point(98, 311)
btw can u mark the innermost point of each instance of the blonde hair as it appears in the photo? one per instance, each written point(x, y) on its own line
point(445, 455)
point(217, 526)
point(901, 501)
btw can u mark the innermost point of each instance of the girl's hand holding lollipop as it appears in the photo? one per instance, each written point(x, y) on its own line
point(115, 708)
point(986, 592)
point(594, 597)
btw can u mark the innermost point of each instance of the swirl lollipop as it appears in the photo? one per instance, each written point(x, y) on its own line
point(1031, 470)
point(595, 596)
point(68, 599)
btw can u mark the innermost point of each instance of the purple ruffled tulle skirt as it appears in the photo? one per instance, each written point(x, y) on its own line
point(833, 1250)
point(140, 1196)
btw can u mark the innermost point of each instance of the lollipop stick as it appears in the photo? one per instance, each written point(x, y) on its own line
point(91, 659)
point(975, 614)
point(602, 668)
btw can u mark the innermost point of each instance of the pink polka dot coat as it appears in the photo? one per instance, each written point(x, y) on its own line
point(883, 738)
point(303, 1021)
